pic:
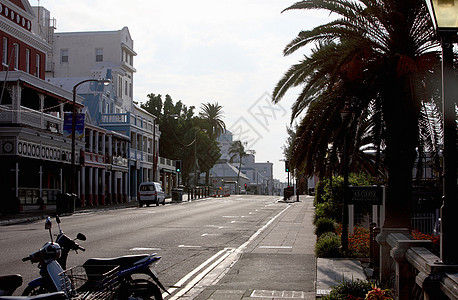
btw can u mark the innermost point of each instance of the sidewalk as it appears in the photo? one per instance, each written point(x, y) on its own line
point(280, 263)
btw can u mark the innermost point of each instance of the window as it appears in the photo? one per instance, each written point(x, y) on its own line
point(130, 90)
point(27, 60)
point(125, 88)
point(16, 56)
point(64, 55)
point(37, 66)
point(5, 51)
point(98, 54)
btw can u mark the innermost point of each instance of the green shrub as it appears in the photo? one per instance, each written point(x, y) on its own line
point(332, 210)
point(355, 289)
point(328, 245)
point(324, 225)
point(329, 195)
point(319, 190)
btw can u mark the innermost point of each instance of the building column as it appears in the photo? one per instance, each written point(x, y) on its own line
point(102, 195)
point(91, 140)
point(61, 188)
point(110, 146)
point(133, 183)
point(96, 143)
point(40, 195)
point(109, 190)
point(124, 176)
point(16, 173)
point(115, 186)
point(103, 152)
point(83, 186)
point(90, 185)
point(96, 186)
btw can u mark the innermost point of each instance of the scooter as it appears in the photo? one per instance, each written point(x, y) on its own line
point(96, 278)
point(9, 283)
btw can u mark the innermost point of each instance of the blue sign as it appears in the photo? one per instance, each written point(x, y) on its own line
point(79, 125)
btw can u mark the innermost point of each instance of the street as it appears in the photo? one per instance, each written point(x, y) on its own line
point(192, 238)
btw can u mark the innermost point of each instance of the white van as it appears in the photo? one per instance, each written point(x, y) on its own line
point(149, 193)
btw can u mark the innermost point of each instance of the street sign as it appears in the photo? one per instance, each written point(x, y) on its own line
point(79, 125)
point(365, 195)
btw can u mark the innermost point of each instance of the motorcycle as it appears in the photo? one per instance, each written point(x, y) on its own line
point(97, 278)
point(9, 283)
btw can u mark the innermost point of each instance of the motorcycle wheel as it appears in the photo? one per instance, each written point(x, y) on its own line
point(141, 289)
point(34, 290)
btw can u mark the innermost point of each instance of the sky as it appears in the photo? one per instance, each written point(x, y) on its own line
point(207, 51)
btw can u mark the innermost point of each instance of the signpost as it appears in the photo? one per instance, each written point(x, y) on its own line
point(365, 195)
point(370, 195)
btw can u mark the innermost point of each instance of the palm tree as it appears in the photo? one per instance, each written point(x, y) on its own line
point(237, 150)
point(213, 114)
point(378, 58)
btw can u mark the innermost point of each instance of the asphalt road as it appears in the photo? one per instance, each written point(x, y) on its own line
point(189, 236)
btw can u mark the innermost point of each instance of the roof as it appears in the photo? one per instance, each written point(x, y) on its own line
point(226, 170)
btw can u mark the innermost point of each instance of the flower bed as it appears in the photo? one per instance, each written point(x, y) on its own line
point(358, 242)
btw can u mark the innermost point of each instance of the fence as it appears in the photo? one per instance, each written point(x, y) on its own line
point(30, 196)
point(425, 222)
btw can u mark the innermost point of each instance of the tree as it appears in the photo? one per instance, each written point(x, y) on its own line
point(213, 115)
point(237, 151)
point(182, 136)
point(378, 59)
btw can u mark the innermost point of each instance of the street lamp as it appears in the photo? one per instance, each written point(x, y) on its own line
point(346, 116)
point(444, 14)
point(104, 81)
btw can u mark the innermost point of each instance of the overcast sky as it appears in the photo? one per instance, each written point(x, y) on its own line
point(225, 51)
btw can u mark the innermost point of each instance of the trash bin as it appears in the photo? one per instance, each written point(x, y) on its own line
point(177, 195)
point(71, 203)
point(60, 205)
point(288, 192)
point(65, 203)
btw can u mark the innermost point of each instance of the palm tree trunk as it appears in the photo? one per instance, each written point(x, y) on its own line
point(401, 141)
point(237, 188)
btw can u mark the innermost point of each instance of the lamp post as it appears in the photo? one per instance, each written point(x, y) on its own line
point(104, 81)
point(345, 114)
point(444, 14)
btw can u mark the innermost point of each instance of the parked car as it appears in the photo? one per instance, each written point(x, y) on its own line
point(150, 193)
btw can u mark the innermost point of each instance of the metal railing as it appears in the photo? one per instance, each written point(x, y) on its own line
point(31, 196)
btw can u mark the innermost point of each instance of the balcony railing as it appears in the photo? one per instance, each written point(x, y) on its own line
point(31, 117)
point(115, 119)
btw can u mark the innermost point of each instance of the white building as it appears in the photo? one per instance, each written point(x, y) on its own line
point(78, 54)
point(258, 176)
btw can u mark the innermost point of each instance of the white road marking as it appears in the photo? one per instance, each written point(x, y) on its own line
point(228, 259)
point(208, 234)
point(193, 272)
point(219, 227)
point(276, 247)
point(144, 249)
point(189, 246)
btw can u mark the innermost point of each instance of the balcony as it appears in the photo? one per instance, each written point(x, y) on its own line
point(30, 117)
point(115, 119)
